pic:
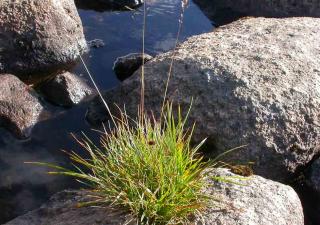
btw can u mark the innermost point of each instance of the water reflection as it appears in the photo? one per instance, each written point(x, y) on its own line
point(101, 6)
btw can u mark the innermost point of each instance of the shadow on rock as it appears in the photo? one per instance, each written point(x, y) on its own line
point(225, 11)
point(220, 15)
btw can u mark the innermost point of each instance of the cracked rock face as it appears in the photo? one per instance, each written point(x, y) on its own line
point(253, 200)
point(254, 82)
point(65, 89)
point(19, 106)
point(39, 36)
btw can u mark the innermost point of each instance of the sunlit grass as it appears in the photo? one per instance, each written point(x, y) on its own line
point(147, 168)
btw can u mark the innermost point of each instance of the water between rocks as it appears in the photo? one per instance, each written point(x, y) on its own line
point(24, 187)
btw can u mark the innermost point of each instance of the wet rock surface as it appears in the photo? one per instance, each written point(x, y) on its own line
point(254, 200)
point(65, 89)
point(224, 11)
point(19, 106)
point(39, 36)
point(125, 66)
point(254, 82)
point(96, 43)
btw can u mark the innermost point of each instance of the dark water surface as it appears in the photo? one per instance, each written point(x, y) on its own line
point(24, 187)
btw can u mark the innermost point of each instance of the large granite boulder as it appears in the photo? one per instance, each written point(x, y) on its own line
point(254, 82)
point(19, 106)
point(39, 36)
point(252, 200)
point(65, 89)
point(221, 11)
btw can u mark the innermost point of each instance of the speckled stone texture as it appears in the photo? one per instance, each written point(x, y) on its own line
point(65, 89)
point(19, 106)
point(63, 209)
point(39, 35)
point(252, 200)
point(254, 82)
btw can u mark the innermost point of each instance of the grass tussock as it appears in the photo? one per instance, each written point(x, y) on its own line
point(145, 166)
point(148, 168)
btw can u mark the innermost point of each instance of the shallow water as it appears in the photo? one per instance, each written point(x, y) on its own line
point(24, 187)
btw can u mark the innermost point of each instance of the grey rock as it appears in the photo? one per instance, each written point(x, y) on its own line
point(252, 200)
point(65, 89)
point(63, 209)
point(221, 11)
point(254, 82)
point(19, 107)
point(39, 36)
point(96, 43)
point(314, 177)
point(125, 66)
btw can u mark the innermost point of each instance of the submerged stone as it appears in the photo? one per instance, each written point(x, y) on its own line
point(96, 43)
